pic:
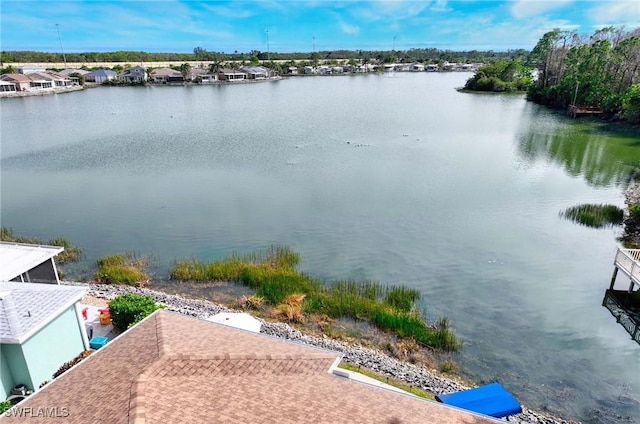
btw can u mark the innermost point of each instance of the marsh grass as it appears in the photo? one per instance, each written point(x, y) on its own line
point(70, 253)
point(273, 277)
point(595, 216)
point(124, 268)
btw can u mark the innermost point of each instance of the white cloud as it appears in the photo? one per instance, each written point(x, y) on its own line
point(527, 8)
point(615, 12)
point(349, 29)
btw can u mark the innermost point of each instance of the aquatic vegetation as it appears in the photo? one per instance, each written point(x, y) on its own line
point(273, 277)
point(70, 253)
point(595, 216)
point(125, 268)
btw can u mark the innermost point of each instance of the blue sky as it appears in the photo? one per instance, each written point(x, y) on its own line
point(287, 26)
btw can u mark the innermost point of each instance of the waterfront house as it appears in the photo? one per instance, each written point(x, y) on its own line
point(195, 74)
point(100, 76)
point(29, 69)
point(231, 75)
point(69, 71)
point(309, 70)
point(256, 72)
point(416, 67)
point(54, 78)
point(166, 76)
point(173, 368)
point(208, 78)
point(291, 70)
point(137, 74)
point(28, 262)
point(323, 70)
point(431, 67)
point(6, 86)
point(22, 82)
point(40, 329)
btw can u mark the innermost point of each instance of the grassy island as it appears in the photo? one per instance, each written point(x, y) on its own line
point(294, 295)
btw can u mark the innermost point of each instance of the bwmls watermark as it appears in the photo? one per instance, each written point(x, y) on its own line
point(43, 412)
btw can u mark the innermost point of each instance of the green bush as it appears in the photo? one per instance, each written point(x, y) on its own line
point(5, 405)
point(631, 104)
point(129, 309)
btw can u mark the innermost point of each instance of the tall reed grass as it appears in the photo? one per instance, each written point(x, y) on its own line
point(70, 253)
point(124, 268)
point(273, 276)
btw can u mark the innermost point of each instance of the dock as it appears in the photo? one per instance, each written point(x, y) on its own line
point(578, 111)
point(624, 305)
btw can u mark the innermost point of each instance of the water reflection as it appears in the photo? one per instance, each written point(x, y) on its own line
point(602, 155)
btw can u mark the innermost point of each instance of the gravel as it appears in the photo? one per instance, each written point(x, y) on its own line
point(354, 354)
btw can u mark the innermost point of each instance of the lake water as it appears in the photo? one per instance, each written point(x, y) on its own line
point(396, 177)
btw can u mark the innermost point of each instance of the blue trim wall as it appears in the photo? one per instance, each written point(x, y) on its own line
point(58, 342)
point(16, 365)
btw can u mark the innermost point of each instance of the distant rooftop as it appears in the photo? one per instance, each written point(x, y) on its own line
point(26, 307)
point(172, 368)
point(18, 258)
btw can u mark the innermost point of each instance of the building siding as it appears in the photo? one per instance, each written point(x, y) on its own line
point(18, 373)
point(47, 350)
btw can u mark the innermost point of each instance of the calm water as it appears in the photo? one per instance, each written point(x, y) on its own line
point(397, 178)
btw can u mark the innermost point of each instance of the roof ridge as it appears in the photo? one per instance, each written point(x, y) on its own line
point(12, 316)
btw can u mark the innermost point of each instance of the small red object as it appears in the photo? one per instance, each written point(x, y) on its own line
point(84, 313)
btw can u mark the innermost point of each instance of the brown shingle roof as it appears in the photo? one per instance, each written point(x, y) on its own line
point(174, 369)
point(16, 77)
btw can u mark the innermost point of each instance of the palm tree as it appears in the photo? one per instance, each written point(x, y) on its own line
point(185, 68)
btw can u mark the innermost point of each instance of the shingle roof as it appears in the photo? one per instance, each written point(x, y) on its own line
point(27, 307)
point(174, 369)
point(16, 77)
point(18, 258)
point(103, 73)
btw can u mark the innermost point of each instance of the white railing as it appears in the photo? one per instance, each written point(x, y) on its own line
point(628, 260)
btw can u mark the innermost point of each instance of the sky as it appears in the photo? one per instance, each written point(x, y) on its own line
point(78, 26)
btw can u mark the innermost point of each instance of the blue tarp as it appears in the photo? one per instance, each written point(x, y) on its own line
point(492, 399)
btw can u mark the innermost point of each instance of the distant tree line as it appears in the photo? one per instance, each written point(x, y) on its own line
point(505, 75)
point(426, 55)
point(598, 71)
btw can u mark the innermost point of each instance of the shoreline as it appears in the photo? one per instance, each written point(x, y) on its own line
point(353, 354)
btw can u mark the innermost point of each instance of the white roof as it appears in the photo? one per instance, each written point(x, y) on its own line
point(25, 308)
point(18, 258)
point(237, 320)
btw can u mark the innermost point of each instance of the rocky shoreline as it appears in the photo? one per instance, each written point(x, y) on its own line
point(353, 354)
point(631, 232)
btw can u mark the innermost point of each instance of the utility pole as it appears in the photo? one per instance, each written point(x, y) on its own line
point(61, 48)
point(268, 53)
point(394, 43)
point(313, 39)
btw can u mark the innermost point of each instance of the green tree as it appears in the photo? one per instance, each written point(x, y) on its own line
point(503, 75)
point(185, 69)
point(631, 104)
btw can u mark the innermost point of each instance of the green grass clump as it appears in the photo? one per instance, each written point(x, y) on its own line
point(390, 381)
point(70, 253)
point(126, 268)
point(595, 216)
point(273, 277)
